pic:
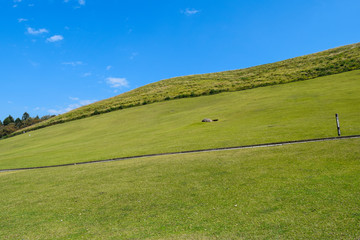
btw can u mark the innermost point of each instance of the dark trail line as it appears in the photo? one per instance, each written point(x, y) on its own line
point(191, 151)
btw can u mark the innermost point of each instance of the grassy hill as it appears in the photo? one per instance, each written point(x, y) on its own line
point(293, 111)
point(324, 63)
point(304, 191)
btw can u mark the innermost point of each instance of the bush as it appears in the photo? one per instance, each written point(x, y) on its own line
point(96, 112)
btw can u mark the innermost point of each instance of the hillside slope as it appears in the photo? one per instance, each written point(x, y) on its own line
point(298, 110)
point(333, 61)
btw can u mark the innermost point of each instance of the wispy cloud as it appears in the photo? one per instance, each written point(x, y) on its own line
point(80, 2)
point(15, 3)
point(55, 38)
point(34, 64)
point(76, 104)
point(86, 102)
point(117, 82)
point(33, 31)
point(189, 12)
point(74, 64)
point(88, 74)
point(108, 68)
point(133, 55)
point(55, 112)
point(22, 20)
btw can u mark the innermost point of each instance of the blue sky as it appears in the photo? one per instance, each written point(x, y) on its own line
point(56, 55)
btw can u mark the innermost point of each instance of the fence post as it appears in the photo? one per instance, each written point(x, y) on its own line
point(337, 124)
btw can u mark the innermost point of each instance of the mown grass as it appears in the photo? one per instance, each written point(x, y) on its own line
point(333, 61)
point(303, 191)
point(293, 111)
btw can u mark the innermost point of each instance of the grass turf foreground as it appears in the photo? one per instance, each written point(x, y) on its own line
point(303, 191)
point(292, 111)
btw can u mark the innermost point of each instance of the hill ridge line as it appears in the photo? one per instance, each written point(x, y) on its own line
point(189, 151)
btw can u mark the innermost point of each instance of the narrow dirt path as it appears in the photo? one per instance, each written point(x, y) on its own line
point(192, 151)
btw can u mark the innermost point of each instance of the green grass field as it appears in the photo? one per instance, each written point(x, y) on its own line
point(302, 191)
point(292, 111)
point(329, 62)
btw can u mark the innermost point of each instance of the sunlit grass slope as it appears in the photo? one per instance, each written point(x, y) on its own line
point(293, 111)
point(325, 63)
point(303, 191)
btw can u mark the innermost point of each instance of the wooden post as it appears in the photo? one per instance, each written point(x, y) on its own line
point(337, 124)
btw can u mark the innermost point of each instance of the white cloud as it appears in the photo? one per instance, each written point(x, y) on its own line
point(117, 82)
point(34, 64)
point(74, 64)
point(78, 103)
point(108, 68)
point(88, 74)
point(80, 3)
point(55, 112)
point(72, 106)
point(55, 38)
point(133, 55)
point(22, 20)
point(33, 31)
point(16, 1)
point(190, 12)
point(86, 102)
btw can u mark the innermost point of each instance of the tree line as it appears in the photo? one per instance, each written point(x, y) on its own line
point(10, 125)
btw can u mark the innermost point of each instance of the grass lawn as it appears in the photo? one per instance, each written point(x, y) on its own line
point(302, 191)
point(291, 111)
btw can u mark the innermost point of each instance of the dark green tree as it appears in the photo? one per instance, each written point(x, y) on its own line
point(8, 120)
point(25, 116)
point(18, 123)
point(1, 123)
